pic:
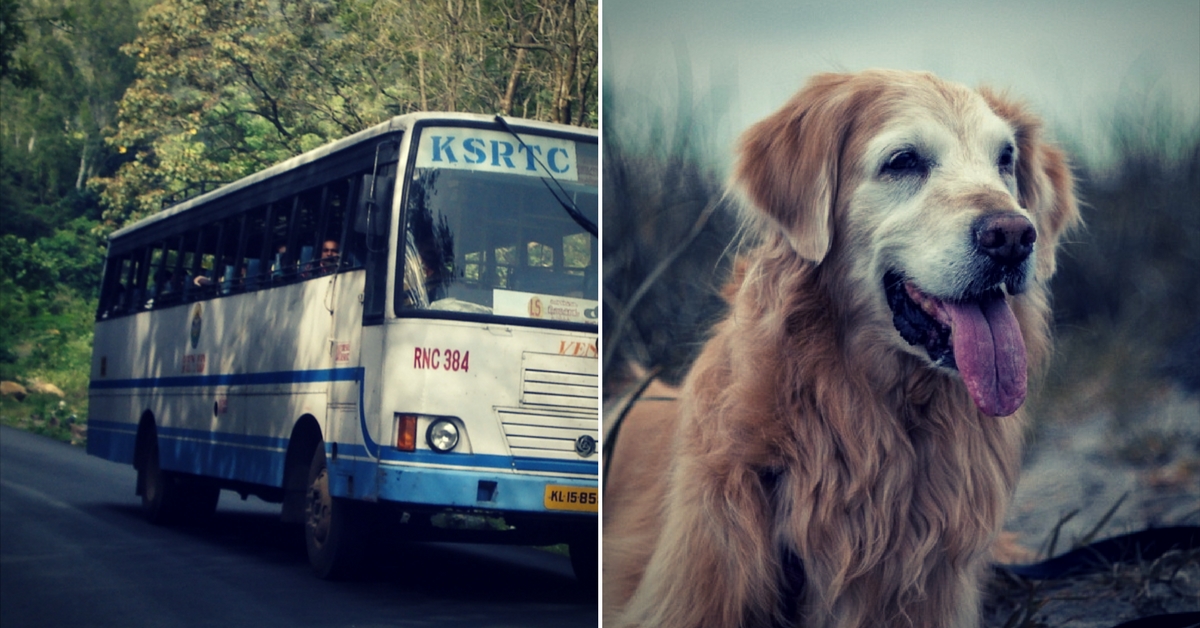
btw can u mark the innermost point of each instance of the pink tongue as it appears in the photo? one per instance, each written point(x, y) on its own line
point(990, 354)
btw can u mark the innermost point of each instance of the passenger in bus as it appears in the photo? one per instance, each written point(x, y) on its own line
point(329, 257)
point(279, 266)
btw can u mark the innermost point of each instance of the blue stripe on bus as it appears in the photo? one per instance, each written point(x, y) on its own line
point(555, 466)
point(257, 459)
point(346, 374)
point(455, 488)
point(224, 438)
point(222, 459)
point(479, 461)
point(111, 440)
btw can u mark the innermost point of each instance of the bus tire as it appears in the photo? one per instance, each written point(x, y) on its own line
point(171, 498)
point(336, 530)
point(199, 501)
point(585, 561)
point(162, 495)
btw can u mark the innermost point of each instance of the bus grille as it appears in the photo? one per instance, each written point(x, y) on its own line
point(559, 381)
point(541, 434)
point(559, 404)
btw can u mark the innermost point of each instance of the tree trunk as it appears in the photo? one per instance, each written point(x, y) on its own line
point(82, 176)
point(563, 113)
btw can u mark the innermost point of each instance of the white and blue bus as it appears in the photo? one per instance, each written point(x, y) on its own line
point(393, 328)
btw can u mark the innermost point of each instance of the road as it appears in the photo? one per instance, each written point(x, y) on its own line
point(74, 551)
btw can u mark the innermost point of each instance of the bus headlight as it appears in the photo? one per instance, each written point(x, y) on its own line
point(442, 435)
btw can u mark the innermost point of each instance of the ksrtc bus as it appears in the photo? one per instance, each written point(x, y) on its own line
point(393, 328)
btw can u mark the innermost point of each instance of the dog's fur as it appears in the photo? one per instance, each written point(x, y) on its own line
point(817, 469)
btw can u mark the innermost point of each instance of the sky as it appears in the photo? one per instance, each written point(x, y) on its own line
point(1074, 61)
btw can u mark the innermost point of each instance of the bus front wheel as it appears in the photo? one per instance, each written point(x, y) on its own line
point(336, 530)
point(585, 560)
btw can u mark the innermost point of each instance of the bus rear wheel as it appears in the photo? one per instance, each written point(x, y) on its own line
point(336, 530)
point(171, 498)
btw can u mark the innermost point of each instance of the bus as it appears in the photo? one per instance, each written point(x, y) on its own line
point(395, 334)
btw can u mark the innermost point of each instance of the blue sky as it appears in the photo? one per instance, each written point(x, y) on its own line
point(1074, 61)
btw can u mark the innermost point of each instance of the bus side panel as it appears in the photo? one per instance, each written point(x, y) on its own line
point(112, 417)
point(225, 380)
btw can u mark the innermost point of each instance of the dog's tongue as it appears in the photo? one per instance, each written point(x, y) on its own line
point(990, 354)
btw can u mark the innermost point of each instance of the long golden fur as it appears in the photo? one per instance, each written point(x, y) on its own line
point(818, 469)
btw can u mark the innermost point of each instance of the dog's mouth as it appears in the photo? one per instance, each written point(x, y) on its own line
point(977, 335)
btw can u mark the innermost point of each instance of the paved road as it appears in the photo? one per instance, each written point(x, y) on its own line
point(75, 552)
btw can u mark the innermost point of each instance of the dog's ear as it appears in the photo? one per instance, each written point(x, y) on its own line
point(788, 163)
point(1045, 185)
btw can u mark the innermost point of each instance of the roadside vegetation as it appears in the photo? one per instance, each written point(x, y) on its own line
point(111, 110)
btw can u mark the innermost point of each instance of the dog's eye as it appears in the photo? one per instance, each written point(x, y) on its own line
point(905, 162)
point(1007, 161)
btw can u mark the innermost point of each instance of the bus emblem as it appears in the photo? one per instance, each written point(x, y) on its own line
point(585, 446)
point(196, 321)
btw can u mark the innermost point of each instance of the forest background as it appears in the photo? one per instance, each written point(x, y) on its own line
point(110, 110)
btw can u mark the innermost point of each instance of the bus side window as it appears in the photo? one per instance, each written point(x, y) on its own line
point(204, 277)
point(112, 290)
point(250, 253)
point(227, 262)
point(353, 250)
point(144, 291)
point(371, 220)
point(281, 249)
point(168, 283)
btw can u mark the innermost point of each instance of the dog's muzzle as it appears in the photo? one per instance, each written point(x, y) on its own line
point(975, 331)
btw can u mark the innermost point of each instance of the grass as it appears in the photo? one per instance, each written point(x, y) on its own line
point(1167, 584)
point(48, 415)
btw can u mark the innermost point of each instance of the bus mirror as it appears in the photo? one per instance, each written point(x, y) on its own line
point(373, 214)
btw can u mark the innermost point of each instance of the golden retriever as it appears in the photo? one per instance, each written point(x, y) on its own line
point(843, 450)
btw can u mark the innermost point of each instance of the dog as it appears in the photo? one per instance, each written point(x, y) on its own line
point(843, 450)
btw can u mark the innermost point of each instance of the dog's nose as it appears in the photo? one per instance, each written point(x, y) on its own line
point(1005, 237)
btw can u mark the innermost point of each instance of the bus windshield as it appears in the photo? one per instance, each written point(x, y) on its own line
point(486, 231)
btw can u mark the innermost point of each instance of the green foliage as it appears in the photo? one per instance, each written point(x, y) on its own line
point(51, 130)
point(228, 87)
point(47, 303)
point(43, 414)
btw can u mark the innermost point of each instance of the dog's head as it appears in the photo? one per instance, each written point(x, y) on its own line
point(940, 205)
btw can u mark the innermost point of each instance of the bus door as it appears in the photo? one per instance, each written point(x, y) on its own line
point(356, 339)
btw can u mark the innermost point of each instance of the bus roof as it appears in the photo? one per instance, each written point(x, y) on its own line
point(398, 123)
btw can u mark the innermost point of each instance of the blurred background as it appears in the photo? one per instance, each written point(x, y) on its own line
point(1118, 86)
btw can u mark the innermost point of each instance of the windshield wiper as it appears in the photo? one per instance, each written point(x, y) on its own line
point(565, 199)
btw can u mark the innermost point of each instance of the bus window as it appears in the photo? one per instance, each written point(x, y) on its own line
point(204, 278)
point(352, 251)
point(132, 294)
point(228, 264)
point(150, 277)
point(370, 214)
point(481, 241)
point(112, 290)
point(280, 252)
point(250, 253)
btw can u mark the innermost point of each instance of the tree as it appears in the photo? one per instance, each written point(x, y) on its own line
point(228, 87)
point(52, 121)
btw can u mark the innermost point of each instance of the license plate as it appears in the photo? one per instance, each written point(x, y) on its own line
point(577, 498)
